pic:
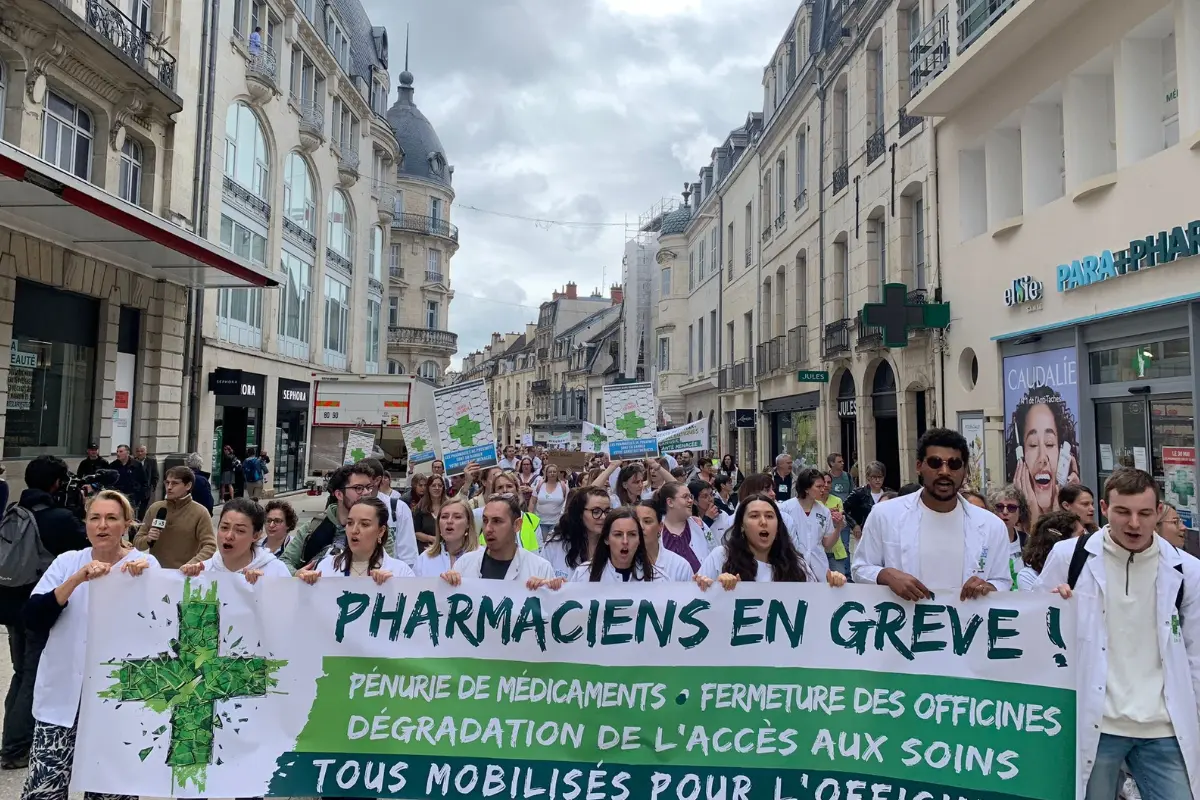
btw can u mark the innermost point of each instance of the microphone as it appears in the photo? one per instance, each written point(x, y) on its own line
point(159, 524)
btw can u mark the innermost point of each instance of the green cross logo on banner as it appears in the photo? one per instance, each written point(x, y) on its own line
point(597, 438)
point(630, 424)
point(418, 444)
point(358, 454)
point(189, 680)
point(465, 430)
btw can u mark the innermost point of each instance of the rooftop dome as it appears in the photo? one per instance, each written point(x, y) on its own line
point(423, 153)
point(676, 222)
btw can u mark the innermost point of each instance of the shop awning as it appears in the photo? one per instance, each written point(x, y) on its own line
point(41, 200)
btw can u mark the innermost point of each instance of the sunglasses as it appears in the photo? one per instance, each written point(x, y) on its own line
point(937, 462)
point(1008, 508)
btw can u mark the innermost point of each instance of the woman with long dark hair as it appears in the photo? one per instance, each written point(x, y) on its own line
point(426, 512)
point(758, 483)
point(682, 533)
point(574, 538)
point(758, 548)
point(1051, 529)
point(1080, 500)
point(730, 469)
point(363, 555)
point(239, 549)
point(620, 555)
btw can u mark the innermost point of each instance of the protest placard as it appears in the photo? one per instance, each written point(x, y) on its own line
point(416, 690)
point(419, 441)
point(464, 423)
point(629, 417)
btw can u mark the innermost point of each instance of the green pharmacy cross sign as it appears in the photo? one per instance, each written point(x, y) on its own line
point(630, 424)
point(597, 438)
point(896, 316)
point(465, 430)
point(188, 681)
point(418, 444)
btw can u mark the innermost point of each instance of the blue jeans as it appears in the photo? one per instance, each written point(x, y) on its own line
point(1156, 764)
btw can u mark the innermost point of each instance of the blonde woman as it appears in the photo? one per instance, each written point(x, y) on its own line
point(456, 535)
point(58, 609)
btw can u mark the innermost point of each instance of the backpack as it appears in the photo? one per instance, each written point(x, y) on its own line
point(23, 556)
point(252, 470)
point(1080, 556)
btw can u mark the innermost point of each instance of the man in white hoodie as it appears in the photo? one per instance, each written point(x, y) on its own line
point(1137, 603)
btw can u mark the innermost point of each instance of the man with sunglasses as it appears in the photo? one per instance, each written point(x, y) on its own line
point(347, 485)
point(932, 541)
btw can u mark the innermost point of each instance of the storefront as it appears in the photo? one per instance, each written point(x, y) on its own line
point(886, 418)
point(238, 418)
point(1084, 401)
point(794, 427)
point(291, 434)
point(847, 412)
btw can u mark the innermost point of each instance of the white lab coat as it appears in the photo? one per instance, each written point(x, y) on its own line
point(525, 565)
point(891, 538)
point(1180, 654)
point(806, 532)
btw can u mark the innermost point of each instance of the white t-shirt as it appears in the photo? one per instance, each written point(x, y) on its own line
point(549, 504)
point(942, 541)
point(673, 566)
point(711, 568)
point(556, 553)
point(393, 565)
point(1026, 579)
point(875, 496)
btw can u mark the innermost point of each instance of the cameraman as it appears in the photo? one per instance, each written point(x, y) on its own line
point(60, 531)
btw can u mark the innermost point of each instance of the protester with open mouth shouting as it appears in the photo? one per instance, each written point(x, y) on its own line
point(933, 540)
point(620, 554)
point(238, 549)
point(364, 555)
point(758, 548)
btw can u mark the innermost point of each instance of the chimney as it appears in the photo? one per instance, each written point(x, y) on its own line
point(530, 332)
point(617, 294)
point(572, 291)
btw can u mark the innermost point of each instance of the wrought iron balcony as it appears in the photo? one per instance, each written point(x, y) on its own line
point(841, 177)
point(432, 276)
point(918, 297)
point(876, 145)
point(749, 255)
point(781, 221)
point(264, 64)
point(540, 387)
point(770, 356)
point(766, 234)
point(801, 200)
point(837, 338)
point(312, 120)
point(907, 123)
point(336, 259)
point(929, 52)
point(976, 16)
point(423, 337)
point(543, 353)
point(297, 233)
point(870, 337)
point(248, 200)
point(374, 284)
point(797, 345)
point(347, 163)
point(430, 226)
point(737, 375)
point(128, 37)
point(396, 274)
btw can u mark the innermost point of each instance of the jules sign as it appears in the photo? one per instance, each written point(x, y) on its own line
point(1024, 290)
point(1182, 241)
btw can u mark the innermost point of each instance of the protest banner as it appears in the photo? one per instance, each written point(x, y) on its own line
point(595, 439)
point(652, 691)
point(629, 417)
point(419, 441)
point(693, 436)
point(464, 423)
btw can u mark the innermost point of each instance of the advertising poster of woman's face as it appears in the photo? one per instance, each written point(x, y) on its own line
point(1041, 403)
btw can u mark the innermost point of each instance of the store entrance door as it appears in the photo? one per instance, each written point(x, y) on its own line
point(1134, 433)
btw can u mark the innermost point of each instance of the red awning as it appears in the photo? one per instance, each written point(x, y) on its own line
point(43, 201)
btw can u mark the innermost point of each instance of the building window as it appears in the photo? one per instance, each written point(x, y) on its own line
point(373, 309)
point(691, 271)
point(337, 322)
point(691, 351)
point(3, 94)
point(431, 315)
point(700, 344)
point(239, 311)
point(393, 311)
point(435, 265)
point(918, 212)
point(781, 188)
point(712, 332)
point(435, 208)
point(341, 227)
point(700, 260)
point(294, 299)
point(395, 368)
point(665, 288)
point(129, 185)
point(714, 248)
point(394, 262)
point(67, 131)
point(246, 159)
point(429, 370)
point(664, 353)
point(376, 252)
point(801, 162)
point(52, 372)
point(299, 199)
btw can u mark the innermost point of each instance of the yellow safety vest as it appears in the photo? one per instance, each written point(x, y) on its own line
point(530, 523)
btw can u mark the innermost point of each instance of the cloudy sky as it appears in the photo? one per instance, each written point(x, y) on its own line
point(584, 111)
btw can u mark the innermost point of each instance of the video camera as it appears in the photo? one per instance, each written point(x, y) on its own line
point(75, 490)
